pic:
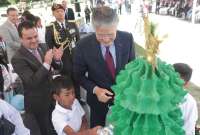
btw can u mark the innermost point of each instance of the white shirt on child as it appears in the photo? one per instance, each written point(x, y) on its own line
point(11, 114)
point(62, 117)
point(190, 114)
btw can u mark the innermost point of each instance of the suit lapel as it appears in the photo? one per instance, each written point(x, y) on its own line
point(30, 56)
point(97, 50)
point(67, 30)
point(118, 50)
point(12, 30)
point(58, 27)
point(41, 52)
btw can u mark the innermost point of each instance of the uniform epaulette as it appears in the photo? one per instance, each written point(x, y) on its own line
point(72, 21)
point(49, 25)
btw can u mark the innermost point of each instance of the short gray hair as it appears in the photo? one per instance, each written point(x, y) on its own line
point(104, 16)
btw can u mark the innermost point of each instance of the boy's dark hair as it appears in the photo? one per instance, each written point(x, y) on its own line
point(61, 82)
point(184, 70)
point(11, 9)
point(25, 25)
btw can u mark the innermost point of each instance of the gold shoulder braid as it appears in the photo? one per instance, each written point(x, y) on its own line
point(57, 37)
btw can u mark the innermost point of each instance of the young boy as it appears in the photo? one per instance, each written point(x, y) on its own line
point(189, 107)
point(68, 116)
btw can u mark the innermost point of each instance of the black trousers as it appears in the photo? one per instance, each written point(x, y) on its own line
point(39, 122)
point(98, 115)
point(87, 18)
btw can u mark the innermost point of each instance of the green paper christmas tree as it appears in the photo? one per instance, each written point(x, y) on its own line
point(147, 95)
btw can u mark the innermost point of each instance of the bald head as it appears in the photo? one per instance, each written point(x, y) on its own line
point(64, 4)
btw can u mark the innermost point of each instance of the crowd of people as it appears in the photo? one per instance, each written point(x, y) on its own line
point(52, 63)
point(177, 8)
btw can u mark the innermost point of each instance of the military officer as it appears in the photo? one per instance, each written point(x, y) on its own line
point(65, 34)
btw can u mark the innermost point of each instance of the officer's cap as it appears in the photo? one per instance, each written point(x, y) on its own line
point(57, 6)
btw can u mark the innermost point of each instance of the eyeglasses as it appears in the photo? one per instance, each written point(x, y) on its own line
point(104, 35)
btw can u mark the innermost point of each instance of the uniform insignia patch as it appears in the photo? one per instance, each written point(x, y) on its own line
point(71, 31)
point(73, 44)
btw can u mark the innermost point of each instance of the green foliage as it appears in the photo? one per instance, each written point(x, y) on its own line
point(4, 2)
point(12, 1)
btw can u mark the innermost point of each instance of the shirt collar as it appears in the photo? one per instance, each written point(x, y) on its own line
point(31, 50)
point(62, 109)
point(11, 23)
point(110, 47)
point(61, 23)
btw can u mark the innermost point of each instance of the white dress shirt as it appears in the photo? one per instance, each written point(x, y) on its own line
point(62, 117)
point(11, 114)
point(190, 114)
point(41, 34)
point(60, 23)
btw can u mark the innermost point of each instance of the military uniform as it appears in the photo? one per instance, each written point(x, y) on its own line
point(69, 36)
point(66, 35)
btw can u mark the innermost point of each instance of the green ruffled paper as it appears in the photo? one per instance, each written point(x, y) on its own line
point(146, 101)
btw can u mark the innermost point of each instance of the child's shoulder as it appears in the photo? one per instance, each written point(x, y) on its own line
point(76, 102)
point(78, 106)
point(188, 97)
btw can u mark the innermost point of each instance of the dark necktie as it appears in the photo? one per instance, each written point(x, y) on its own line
point(62, 26)
point(110, 62)
point(62, 30)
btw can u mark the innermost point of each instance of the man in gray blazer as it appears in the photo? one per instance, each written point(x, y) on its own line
point(8, 31)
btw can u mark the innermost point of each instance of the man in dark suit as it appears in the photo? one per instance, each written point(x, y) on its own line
point(102, 55)
point(69, 13)
point(34, 64)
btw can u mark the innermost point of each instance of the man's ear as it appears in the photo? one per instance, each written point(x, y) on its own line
point(55, 97)
point(53, 13)
point(186, 84)
point(21, 40)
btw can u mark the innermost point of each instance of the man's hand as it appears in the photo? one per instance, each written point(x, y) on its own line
point(58, 53)
point(48, 57)
point(103, 95)
point(93, 131)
